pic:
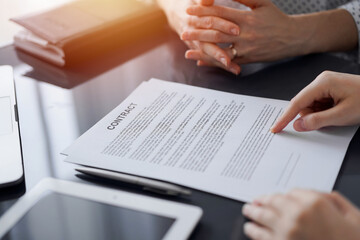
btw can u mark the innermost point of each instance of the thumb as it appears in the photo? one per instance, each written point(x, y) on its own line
point(253, 3)
point(313, 121)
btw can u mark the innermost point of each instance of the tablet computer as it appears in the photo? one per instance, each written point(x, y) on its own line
point(57, 209)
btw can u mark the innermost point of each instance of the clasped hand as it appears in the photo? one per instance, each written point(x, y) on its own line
point(263, 33)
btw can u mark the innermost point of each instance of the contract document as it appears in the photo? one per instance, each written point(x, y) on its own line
point(212, 141)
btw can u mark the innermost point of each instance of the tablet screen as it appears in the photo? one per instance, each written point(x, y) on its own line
point(59, 216)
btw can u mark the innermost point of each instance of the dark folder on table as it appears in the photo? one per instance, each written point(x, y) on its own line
point(81, 29)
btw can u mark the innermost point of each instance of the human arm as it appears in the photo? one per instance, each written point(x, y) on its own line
point(180, 21)
point(332, 99)
point(302, 214)
point(353, 7)
point(267, 34)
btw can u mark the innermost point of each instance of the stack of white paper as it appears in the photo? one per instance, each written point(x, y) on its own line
point(212, 141)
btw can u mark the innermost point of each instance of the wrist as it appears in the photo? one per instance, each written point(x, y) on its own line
point(173, 9)
point(332, 30)
point(303, 34)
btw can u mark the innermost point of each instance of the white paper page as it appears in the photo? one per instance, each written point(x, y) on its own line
point(213, 141)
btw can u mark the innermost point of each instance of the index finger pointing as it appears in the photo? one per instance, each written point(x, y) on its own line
point(290, 113)
point(300, 102)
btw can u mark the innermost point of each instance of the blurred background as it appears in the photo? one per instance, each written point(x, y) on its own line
point(15, 8)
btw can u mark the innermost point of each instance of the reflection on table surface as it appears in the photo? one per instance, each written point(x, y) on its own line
point(68, 217)
point(16, 8)
point(57, 105)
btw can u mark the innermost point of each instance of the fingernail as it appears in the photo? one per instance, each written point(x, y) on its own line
point(246, 209)
point(246, 227)
point(257, 202)
point(272, 129)
point(234, 71)
point(190, 10)
point(223, 61)
point(189, 55)
point(300, 125)
point(234, 31)
point(184, 36)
